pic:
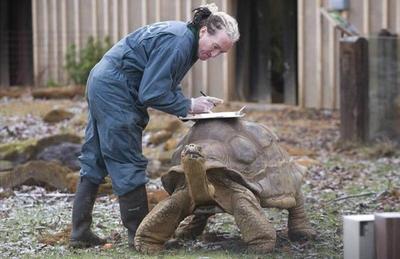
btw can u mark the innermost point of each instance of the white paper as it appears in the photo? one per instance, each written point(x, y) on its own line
point(214, 115)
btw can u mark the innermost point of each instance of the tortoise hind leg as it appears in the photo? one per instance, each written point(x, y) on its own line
point(257, 232)
point(159, 225)
point(192, 227)
point(299, 226)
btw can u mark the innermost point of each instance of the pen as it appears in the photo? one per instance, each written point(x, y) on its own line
point(203, 94)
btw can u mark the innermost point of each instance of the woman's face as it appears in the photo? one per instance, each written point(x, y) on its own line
point(211, 46)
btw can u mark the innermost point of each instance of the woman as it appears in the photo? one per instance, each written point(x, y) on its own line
point(142, 70)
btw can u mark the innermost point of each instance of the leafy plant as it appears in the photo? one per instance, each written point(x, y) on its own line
point(78, 65)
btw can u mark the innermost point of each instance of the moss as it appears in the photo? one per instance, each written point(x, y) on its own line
point(15, 150)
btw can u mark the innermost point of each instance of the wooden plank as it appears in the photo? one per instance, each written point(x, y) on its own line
point(189, 75)
point(94, 19)
point(204, 68)
point(331, 66)
point(397, 17)
point(77, 35)
point(225, 58)
point(125, 20)
point(64, 39)
point(387, 235)
point(366, 21)
point(144, 12)
point(55, 29)
point(353, 88)
point(318, 45)
point(301, 50)
point(115, 27)
point(35, 28)
point(45, 46)
point(106, 22)
point(385, 14)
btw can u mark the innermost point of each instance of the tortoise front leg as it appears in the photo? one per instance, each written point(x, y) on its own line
point(256, 231)
point(159, 225)
point(299, 226)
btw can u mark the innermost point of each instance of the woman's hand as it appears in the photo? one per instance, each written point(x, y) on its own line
point(204, 104)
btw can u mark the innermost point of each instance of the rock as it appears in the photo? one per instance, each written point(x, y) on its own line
point(170, 144)
point(155, 196)
point(153, 168)
point(66, 153)
point(6, 165)
point(160, 122)
point(49, 174)
point(18, 152)
point(57, 115)
point(57, 139)
point(72, 180)
point(158, 153)
point(68, 92)
point(159, 137)
point(307, 162)
point(22, 151)
point(12, 92)
point(173, 125)
point(295, 151)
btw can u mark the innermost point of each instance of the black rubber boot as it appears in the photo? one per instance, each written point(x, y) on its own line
point(133, 207)
point(85, 197)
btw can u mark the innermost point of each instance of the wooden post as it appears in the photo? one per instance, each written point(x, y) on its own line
point(353, 88)
point(384, 92)
point(387, 235)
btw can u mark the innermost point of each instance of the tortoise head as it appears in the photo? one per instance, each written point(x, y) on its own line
point(192, 152)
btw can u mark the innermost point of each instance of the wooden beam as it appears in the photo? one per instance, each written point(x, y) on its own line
point(354, 87)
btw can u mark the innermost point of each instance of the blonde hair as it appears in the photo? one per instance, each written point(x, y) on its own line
point(209, 16)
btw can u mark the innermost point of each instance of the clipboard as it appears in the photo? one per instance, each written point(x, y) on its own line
point(215, 115)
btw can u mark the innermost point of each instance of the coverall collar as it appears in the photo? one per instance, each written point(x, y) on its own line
point(195, 43)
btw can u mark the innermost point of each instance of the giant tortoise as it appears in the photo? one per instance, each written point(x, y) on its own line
point(238, 166)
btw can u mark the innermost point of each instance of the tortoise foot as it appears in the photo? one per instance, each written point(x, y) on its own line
point(302, 234)
point(149, 249)
point(263, 248)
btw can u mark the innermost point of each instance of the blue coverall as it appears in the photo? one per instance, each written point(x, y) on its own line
point(142, 70)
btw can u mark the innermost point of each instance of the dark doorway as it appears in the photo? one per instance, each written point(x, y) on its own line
point(16, 43)
point(267, 51)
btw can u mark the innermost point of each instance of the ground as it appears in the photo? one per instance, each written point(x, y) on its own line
point(343, 178)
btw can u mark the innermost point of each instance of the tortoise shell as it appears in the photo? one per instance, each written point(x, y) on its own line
point(246, 152)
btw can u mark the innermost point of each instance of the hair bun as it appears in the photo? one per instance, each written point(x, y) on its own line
point(212, 7)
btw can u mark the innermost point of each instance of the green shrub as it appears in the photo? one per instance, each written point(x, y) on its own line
point(78, 66)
